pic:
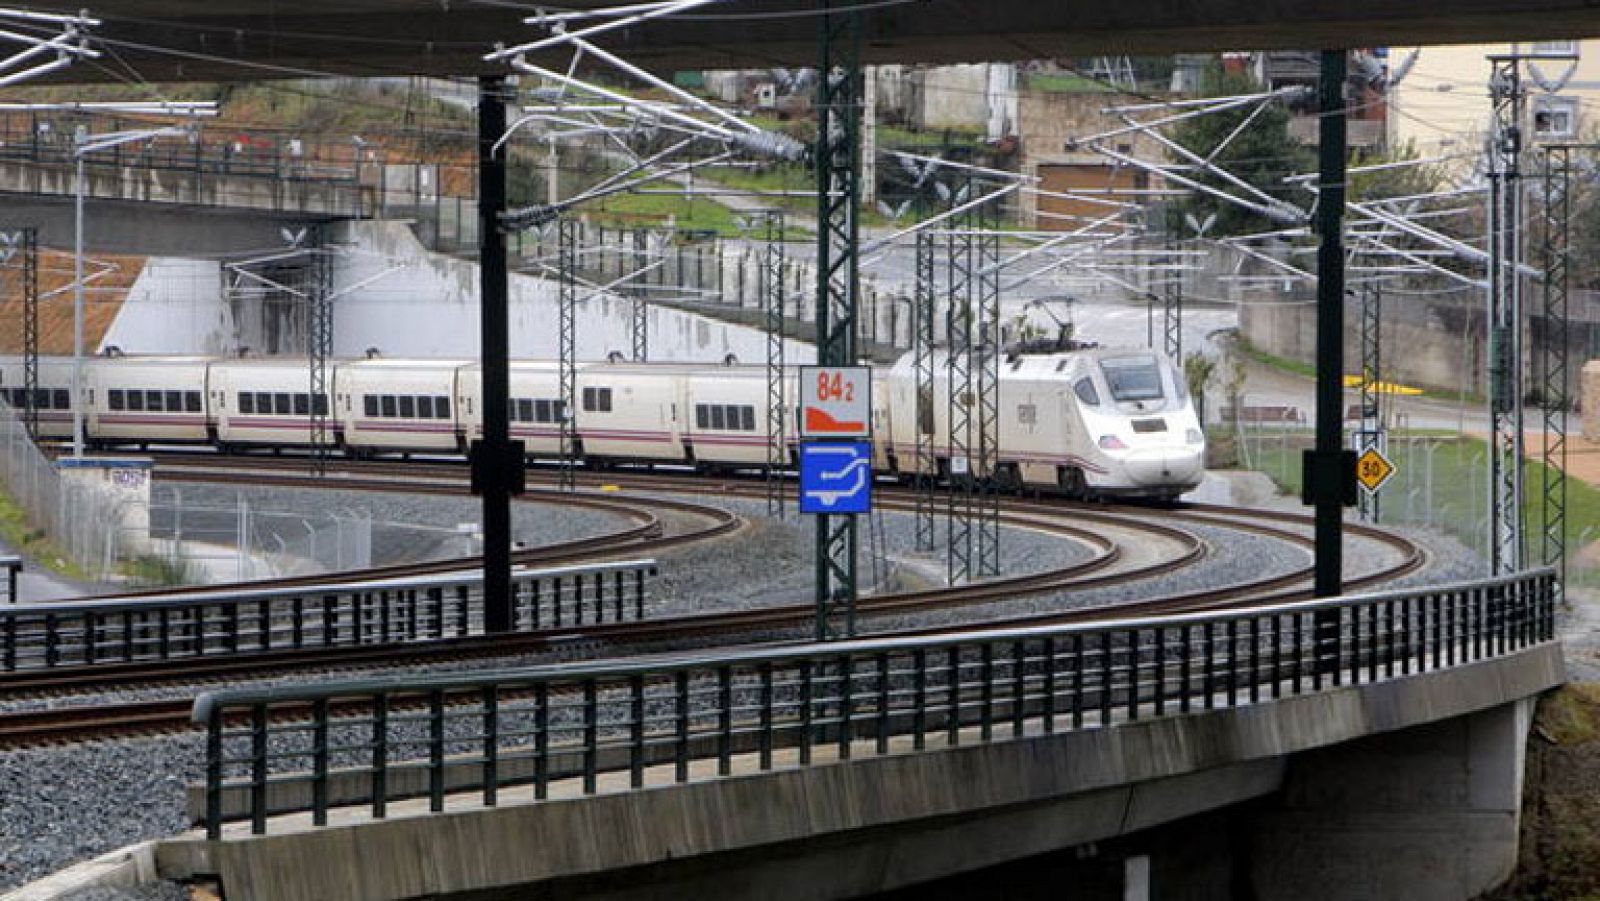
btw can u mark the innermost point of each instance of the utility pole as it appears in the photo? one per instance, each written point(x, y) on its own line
point(1506, 487)
point(1329, 470)
point(838, 163)
point(497, 468)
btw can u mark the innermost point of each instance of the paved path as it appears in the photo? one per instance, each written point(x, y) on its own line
point(39, 584)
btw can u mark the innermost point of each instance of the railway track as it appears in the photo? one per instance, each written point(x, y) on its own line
point(1088, 524)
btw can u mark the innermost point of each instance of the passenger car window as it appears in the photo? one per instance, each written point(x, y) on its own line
point(408, 407)
point(114, 399)
point(174, 401)
point(369, 405)
point(191, 401)
point(247, 403)
point(441, 407)
point(388, 404)
point(136, 401)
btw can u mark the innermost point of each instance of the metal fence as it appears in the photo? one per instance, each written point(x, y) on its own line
point(81, 523)
point(375, 742)
point(243, 541)
point(413, 609)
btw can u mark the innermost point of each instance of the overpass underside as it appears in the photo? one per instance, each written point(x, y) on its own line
point(1391, 788)
point(196, 40)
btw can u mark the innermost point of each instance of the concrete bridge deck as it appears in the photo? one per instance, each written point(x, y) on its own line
point(1390, 769)
point(1424, 788)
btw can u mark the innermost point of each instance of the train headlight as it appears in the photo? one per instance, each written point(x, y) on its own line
point(1111, 442)
point(1193, 436)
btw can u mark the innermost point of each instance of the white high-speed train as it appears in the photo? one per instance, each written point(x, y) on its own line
point(1096, 422)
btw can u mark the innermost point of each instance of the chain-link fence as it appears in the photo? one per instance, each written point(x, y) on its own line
point(1440, 480)
point(80, 523)
point(208, 541)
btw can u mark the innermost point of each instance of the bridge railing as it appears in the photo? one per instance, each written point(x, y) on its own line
point(613, 726)
point(193, 624)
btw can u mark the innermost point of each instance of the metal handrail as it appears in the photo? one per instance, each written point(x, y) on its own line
point(206, 703)
point(209, 597)
point(586, 718)
point(413, 610)
point(12, 565)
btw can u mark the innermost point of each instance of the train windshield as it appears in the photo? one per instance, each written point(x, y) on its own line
point(1132, 378)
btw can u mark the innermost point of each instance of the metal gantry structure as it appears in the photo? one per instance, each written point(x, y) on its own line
point(1371, 338)
point(986, 302)
point(19, 252)
point(1555, 389)
point(640, 318)
point(838, 169)
point(1506, 489)
point(777, 406)
point(923, 317)
point(567, 376)
point(959, 403)
point(319, 346)
point(1172, 311)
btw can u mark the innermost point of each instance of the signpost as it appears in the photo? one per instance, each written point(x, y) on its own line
point(836, 461)
point(835, 402)
point(1373, 469)
point(836, 477)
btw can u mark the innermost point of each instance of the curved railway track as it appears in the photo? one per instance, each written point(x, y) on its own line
point(1107, 565)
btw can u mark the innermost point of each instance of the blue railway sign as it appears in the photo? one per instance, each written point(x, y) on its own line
point(836, 477)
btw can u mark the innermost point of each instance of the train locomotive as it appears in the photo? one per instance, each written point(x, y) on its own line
point(1095, 422)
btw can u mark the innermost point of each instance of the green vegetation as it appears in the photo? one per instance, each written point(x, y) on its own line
point(155, 571)
point(1244, 348)
point(1065, 83)
point(1459, 483)
point(31, 542)
point(647, 210)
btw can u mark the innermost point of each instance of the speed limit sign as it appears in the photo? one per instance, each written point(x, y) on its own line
point(835, 402)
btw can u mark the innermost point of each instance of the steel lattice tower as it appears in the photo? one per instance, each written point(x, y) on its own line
point(21, 252)
point(1553, 356)
point(1371, 375)
point(922, 333)
point(1506, 490)
point(1172, 311)
point(986, 311)
point(319, 344)
point(838, 169)
point(959, 402)
point(777, 410)
point(567, 285)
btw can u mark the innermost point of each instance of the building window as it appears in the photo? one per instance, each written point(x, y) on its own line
point(1555, 117)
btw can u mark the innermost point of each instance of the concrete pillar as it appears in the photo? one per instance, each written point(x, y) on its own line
point(1426, 813)
point(120, 489)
